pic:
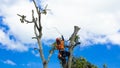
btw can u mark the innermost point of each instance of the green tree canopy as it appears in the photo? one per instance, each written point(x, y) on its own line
point(80, 62)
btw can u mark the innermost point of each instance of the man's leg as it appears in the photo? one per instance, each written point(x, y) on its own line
point(66, 53)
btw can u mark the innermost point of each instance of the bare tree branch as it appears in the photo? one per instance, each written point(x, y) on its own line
point(35, 20)
point(36, 6)
point(23, 19)
point(39, 17)
point(50, 54)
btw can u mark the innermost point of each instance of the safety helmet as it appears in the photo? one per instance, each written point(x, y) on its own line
point(57, 39)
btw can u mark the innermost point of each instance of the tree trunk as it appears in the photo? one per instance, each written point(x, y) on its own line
point(72, 45)
point(70, 58)
point(45, 65)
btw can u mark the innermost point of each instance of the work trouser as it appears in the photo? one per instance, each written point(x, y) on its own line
point(64, 54)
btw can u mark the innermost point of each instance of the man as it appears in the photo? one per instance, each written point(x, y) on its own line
point(60, 46)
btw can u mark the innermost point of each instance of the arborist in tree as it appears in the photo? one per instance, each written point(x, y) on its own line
point(60, 46)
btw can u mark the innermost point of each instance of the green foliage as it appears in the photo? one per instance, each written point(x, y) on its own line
point(54, 45)
point(80, 62)
point(104, 65)
point(77, 38)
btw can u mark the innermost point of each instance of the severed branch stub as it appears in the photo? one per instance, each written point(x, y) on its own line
point(74, 37)
point(73, 43)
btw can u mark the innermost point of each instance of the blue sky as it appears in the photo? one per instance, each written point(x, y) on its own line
point(99, 35)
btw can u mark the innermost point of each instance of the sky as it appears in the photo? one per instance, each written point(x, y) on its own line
point(99, 21)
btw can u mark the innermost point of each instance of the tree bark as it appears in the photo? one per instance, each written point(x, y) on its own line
point(72, 45)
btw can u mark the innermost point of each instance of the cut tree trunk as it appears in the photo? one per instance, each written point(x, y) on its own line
point(72, 45)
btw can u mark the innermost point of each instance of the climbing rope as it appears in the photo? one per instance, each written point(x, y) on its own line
point(55, 28)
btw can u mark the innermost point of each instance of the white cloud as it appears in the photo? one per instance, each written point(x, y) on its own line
point(34, 65)
point(23, 32)
point(10, 44)
point(96, 18)
point(36, 54)
point(9, 62)
point(115, 38)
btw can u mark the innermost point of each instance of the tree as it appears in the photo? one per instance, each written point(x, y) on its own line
point(80, 62)
point(38, 35)
point(104, 65)
point(73, 42)
point(38, 32)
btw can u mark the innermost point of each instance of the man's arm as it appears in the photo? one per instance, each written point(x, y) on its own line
point(62, 37)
